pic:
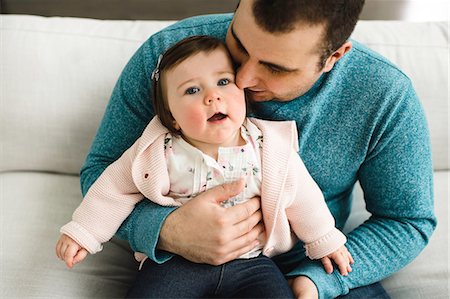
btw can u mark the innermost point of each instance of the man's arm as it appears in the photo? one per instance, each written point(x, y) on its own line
point(397, 181)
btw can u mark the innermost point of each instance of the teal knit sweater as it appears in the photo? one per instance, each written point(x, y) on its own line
point(362, 121)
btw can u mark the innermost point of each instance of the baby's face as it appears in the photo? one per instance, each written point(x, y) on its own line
point(204, 100)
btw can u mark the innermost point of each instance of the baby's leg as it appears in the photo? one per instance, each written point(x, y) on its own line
point(253, 278)
point(176, 278)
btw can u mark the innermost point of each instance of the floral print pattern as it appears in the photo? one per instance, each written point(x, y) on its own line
point(192, 172)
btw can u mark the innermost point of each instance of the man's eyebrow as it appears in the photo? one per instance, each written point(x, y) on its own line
point(277, 67)
point(270, 65)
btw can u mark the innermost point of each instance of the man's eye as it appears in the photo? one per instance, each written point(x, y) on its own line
point(223, 82)
point(192, 90)
point(274, 71)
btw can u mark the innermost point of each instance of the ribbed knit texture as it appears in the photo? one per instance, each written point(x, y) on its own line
point(361, 121)
point(111, 199)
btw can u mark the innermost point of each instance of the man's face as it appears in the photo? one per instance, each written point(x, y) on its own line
point(278, 66)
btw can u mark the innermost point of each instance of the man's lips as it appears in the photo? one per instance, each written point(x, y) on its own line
point(217, 117)
point(254, 90)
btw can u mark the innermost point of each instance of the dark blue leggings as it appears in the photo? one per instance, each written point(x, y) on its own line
point(179, 278)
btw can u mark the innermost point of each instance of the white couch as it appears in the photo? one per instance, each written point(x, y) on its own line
point(56, 78)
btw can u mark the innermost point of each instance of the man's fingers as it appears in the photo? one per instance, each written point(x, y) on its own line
point(226, 191)
point(243, 211)
point(242, 245)
point(237, 247)
point(234, 255)
point(249, 223)
point(249, 239)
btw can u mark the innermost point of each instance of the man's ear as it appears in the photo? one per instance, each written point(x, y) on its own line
point(338, 54)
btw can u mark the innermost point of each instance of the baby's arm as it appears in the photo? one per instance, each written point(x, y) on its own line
point(342, 258)
point(312, 222)
point(106, 205)
point(70, 251)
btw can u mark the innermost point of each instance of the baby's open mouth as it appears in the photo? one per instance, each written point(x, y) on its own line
point(217, 116)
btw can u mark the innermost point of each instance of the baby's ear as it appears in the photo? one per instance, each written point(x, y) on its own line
point(176, 125)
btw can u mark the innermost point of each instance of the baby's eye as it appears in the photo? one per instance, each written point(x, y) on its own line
point(223, 82)
point(192, 90)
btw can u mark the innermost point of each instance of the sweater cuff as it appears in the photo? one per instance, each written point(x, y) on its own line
point(83, 237)
point(146, 232)
point(328, 285)
point(325, 245)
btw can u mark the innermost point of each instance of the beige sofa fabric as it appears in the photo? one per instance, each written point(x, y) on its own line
point(56, 77)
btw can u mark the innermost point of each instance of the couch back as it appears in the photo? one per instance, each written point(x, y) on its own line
point(57, 75)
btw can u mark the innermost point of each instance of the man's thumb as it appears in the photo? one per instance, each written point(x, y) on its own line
point(228, 190)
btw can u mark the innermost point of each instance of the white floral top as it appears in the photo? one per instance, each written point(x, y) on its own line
point(192, 172)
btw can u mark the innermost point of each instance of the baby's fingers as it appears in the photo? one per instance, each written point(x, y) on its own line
point(81, 255)
point(343, 264)
point(58, 249)
point(350, 258)
point(69, 255)
point(326, 262)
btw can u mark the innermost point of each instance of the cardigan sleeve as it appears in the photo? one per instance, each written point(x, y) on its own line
point(308, 214)
point(107, 204)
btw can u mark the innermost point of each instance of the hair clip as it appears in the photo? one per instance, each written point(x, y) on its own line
point(155, 73)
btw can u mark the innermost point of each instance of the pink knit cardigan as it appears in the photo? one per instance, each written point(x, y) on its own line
point(290, 199)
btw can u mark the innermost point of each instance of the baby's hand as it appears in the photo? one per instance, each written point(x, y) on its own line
point(342, 258)
point(69, 251)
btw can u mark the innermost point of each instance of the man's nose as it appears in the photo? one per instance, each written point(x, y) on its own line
point(246, 75)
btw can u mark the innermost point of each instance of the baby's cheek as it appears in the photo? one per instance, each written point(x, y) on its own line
point(192, 118)
point(238, 108)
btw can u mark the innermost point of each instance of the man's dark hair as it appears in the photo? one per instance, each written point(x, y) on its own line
point(172, 57)
point(338, 16)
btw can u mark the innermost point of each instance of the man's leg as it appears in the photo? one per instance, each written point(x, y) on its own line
point(253, 278)
point(373, 291)
point(176, 278)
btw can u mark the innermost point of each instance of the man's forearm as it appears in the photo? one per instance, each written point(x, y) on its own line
point(377, 253)
point(142, 229)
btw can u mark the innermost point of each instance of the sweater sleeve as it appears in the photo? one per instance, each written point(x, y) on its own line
point(127, 114)
point(107, 203)
point(396, 178)
point(309, 216)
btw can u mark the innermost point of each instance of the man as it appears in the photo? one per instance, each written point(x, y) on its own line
point(358, 118)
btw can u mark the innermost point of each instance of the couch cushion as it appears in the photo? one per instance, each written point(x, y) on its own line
point(57, 76)
point(428, 275)
point(34, 206)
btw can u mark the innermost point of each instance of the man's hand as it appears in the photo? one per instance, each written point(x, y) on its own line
point(303, 287)
point(203, 231)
